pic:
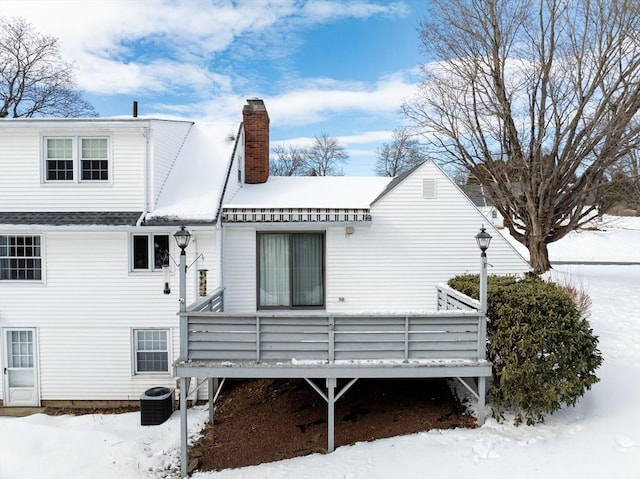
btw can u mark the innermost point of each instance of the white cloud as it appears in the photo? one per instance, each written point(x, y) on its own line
point(322, 10)
point(102, 37)
point(322, 99)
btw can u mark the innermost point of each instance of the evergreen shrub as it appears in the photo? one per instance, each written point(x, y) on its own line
point(543, 351)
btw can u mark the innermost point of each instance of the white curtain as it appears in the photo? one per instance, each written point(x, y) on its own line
point(274, 270)
point(307, 270)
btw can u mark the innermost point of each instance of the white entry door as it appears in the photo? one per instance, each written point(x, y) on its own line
point(20, 368)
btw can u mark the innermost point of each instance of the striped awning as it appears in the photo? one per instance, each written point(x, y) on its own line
point(295, 215)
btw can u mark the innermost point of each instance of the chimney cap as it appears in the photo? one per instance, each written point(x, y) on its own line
point(255, 103)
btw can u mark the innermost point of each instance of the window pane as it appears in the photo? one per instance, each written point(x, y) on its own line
point(152, 354)
point(94, 165)
point(274, 270)
point(141, 252)
point(307, 270)
point(160, 250)
point(291, 269)
point(20, 257)
point(59, 148)
point(59, 159)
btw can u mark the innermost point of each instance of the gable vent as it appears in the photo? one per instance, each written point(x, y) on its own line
point(429, 188)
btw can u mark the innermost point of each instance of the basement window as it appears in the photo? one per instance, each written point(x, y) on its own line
point(151, 350)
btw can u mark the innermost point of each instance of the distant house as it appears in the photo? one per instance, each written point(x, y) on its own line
point(87, 211)
point(480, 197)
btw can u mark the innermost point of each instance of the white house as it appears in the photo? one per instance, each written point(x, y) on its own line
point(88, 208)
point(83, 241)
point(379, 245)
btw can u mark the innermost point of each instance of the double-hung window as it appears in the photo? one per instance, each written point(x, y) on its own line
point(290, 270)
point(151, 350)
point(71, 159)
point(20, 257)
point(149, 252)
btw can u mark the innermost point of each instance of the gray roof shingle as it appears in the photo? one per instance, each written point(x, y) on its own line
point(71, 218)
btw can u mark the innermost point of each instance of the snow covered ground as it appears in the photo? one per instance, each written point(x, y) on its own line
point(599, 438)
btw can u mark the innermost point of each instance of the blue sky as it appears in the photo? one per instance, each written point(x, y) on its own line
point(336, 67)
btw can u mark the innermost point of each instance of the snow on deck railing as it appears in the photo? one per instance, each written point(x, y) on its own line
point(452, 299)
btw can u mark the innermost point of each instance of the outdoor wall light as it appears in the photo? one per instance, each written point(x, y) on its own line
point(483, 239)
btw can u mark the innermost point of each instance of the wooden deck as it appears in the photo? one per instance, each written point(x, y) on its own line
point(450, 342)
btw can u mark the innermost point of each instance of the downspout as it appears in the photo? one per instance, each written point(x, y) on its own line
point(220, 248)
point(145, 174)
point(194, 272)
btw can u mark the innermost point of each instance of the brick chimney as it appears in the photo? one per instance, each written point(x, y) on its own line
point(256, 141)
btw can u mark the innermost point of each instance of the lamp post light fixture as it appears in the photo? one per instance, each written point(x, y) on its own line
point(483, 239)
point(182, 237)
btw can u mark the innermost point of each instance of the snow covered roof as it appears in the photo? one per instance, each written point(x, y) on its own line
point(310, 192)
point(195, 184)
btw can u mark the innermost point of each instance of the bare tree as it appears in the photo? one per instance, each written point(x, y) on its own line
point(403, 153)
point(289, 161)
point(325, 157)
point(34, 79)
point(621, 193)
point(537, 98)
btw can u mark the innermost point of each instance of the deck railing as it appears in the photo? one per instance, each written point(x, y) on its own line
point(455, 332)
point(449, 298)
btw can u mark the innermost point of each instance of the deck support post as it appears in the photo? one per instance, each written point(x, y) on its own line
point(331, 403)
point(482, 385)
point(211, 389)
point(184, 454)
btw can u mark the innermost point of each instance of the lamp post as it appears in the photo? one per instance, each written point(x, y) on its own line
point(483, 239)
point(182, 237)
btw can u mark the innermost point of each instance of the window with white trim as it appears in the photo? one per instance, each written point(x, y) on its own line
point(70, 159)
point(149, 252)
point(290, 270)
point(151, 350)
point(20, 257)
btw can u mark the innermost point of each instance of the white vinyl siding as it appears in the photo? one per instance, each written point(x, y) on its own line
point(413, 244)
point(240, 269)
point(24, 186)
point(88, 307)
